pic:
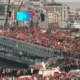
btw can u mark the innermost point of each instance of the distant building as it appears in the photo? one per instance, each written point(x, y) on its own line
point(2, 14)
point(52, 15)
point(54, 12)
point(72, 15)
point(36, 2)
point(78, 15)
point(50, 1)
point(62, 10)
point(53, 1)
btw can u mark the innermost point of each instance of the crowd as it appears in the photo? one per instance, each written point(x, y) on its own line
point(26, 74)
point(59, 39)
point(14, 74)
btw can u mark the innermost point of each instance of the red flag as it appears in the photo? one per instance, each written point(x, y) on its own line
point(32, 14)
point(38, 27)
point(32, 30)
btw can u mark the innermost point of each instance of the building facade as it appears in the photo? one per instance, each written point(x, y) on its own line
point(3, 13)
point(36, 2)
point(54, 12)
point(72, 15)
point(53, 17)
point(62, 10)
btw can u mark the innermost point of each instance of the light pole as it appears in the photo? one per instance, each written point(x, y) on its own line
point(70, 29)
point(69, 25)
point(23, 20)
point(6, 20)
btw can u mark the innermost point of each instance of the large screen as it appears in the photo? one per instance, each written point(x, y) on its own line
point(22, 16)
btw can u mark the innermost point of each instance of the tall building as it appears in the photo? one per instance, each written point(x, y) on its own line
point(53, 17)
point(72, 15)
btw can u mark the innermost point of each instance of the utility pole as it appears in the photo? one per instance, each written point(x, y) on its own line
point(6, 22)
point(70, 29)
point(19, 9)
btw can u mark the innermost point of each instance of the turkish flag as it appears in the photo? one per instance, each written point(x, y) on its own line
point(32, 14)
point(32, 30)
point(17, 78)
point(38, 27)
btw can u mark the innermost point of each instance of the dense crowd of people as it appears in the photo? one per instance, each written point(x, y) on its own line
point(26, 74)
point(59, 39)
point(56, 39)
point(13, 74)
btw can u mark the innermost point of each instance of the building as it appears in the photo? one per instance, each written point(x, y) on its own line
point(50, 1)
point(61, 9)
point(13, 7)
point(3, 13)
point(36, 2)
point(78, 15)
point(56, 12)
point(72, 15)
point(53, 17)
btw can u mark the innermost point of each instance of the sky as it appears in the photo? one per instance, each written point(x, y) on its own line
point(66, 0)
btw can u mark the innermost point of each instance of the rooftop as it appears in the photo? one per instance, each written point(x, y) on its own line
point(34, 0)
point(47, 9)
point(53, 4)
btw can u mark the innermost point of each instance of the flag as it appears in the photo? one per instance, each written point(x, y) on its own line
point(32, 14)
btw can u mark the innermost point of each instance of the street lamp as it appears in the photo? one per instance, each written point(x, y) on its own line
point(69, 24)
point(70, 29)
point(23, 20)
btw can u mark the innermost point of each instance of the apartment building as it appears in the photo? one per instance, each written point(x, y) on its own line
point(36, 3)
point(53, 16)
point(72, 15)
point(60, 9)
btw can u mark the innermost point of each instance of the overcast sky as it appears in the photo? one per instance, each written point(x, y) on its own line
point(68, 0)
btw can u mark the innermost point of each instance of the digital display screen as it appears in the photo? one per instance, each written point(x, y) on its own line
point(22, 16)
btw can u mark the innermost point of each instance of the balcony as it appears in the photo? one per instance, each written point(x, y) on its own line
point(27, 47)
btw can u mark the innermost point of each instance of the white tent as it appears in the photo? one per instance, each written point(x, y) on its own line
point(49, 72)
point(28, 76)
point(62, 25)
point(76, 25)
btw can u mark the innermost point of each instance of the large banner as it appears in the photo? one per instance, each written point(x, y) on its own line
point(2, 9)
